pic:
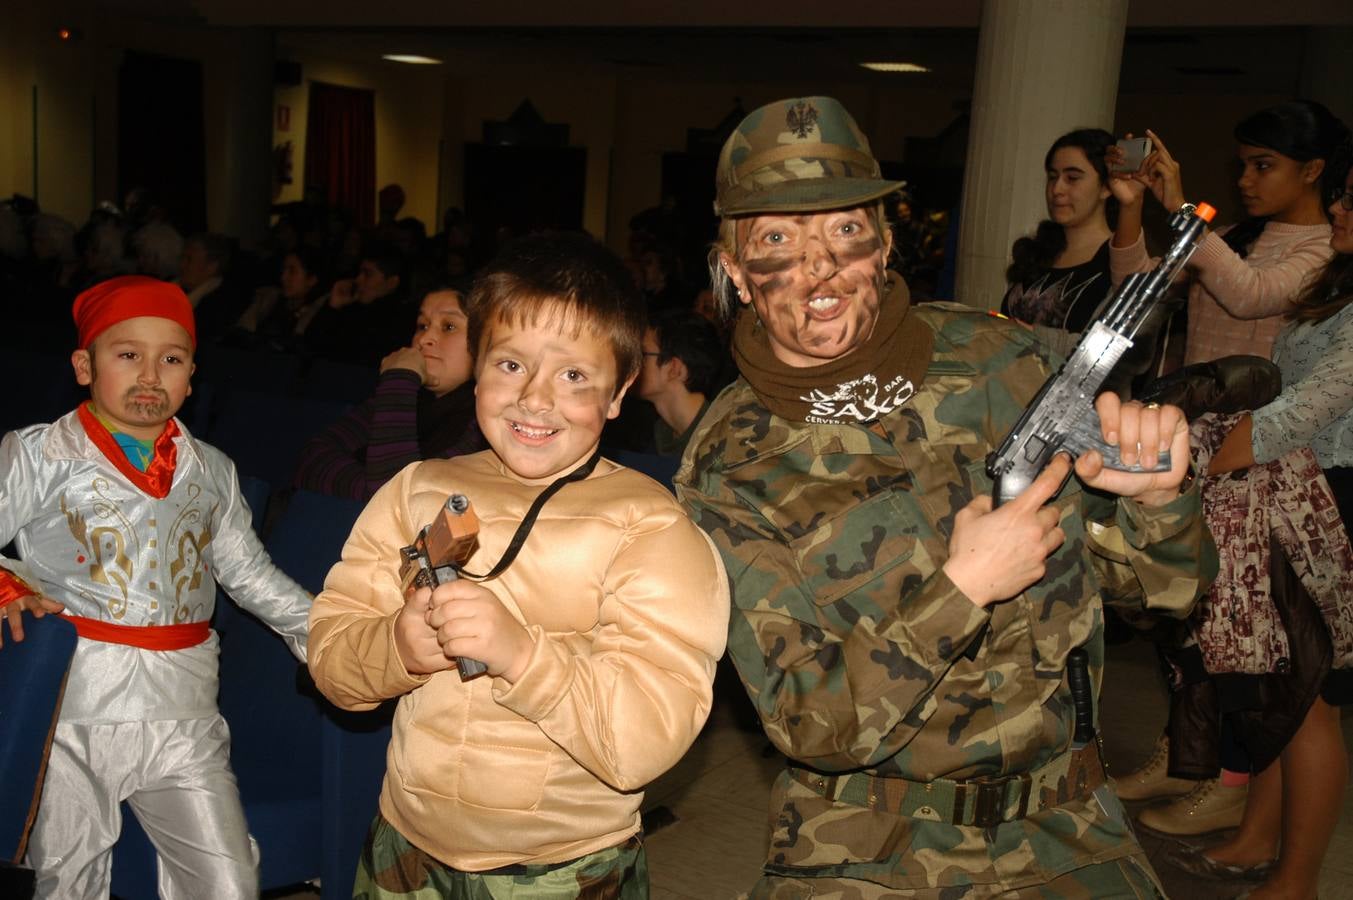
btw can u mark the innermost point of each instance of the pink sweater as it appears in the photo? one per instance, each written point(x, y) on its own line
point(1237, 305)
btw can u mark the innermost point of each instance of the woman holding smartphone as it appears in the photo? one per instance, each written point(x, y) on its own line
point(1059, 275)
point(1245, 278)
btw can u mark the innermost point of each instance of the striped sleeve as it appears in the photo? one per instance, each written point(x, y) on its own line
point(365, 448)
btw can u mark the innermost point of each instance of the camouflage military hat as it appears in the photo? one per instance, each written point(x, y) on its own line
point(804, 154)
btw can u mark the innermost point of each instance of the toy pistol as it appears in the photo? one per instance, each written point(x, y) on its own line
point(1062, 418)
point(436, 555)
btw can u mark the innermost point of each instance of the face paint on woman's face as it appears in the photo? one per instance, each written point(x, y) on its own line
point(815, 280)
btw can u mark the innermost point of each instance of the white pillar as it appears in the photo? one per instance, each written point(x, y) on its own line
point(241, 203)
point(1044, 67)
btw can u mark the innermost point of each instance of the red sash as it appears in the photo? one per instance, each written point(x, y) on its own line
point(147, 637)
point(12, 587)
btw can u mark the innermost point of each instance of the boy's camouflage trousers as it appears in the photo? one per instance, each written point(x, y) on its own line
point(391, 868)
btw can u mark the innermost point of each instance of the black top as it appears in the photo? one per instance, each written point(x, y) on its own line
point(1062, 298)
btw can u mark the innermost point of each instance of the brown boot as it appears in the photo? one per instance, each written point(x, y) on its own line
point(1152, 781)
point(1209, 807)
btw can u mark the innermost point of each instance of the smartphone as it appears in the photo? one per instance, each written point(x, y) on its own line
point(1134, 151)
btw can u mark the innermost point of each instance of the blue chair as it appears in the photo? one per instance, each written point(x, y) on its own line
point(42, 388)
point(33, 672)
point(234, 368)
point(335, 380)
point(306, 540)
point(309, 773)
point(264, 433)
point(273, 716)
point(661, 469)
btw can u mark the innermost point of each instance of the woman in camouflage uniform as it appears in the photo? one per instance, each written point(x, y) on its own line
point(905, 644)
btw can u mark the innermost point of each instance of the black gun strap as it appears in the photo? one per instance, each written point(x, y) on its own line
point(529, 520)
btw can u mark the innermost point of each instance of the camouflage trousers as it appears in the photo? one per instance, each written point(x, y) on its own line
point(1127, 878)
point(391, 868)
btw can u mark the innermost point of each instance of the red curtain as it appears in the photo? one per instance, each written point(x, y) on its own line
point(340, 148)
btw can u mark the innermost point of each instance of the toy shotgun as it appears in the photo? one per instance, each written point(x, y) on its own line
point(1062, 418)
point(436, 555)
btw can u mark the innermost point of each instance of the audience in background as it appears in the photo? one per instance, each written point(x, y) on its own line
point(158, 248)
point(280, 313)
point(685, 362)
point(422, 408)
point(103, 253)
point(203, 274)
point(367, 314)
point(911, 238)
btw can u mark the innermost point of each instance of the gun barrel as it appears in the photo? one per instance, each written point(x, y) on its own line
point(1062, 417)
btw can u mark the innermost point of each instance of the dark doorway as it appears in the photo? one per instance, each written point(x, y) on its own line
point(688, 186)
point(514, 190)
point(160, 144)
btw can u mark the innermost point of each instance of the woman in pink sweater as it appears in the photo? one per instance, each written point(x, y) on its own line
point(1244, 278)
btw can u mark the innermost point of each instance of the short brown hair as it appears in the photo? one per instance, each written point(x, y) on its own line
point(588, 284)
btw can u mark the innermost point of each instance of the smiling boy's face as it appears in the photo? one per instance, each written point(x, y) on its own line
point(543, 393)
point(138, 374)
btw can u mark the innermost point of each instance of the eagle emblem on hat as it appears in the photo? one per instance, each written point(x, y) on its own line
point(801, 118)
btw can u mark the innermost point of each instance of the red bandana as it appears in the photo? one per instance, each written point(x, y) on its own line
point(159, 475)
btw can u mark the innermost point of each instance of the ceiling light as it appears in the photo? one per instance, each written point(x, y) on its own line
point(412, 59)
point(895, 67)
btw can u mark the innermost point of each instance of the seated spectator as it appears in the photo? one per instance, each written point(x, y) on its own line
point(54, 249)
point(389, 202)
point(158, 247)
point(13, 244)
point(658, 270)
point(102, 253)
point(38, 305)
point(683, 361)
point(280, 313)
point(366, 315)
point(423, 408)
point(910, 237)
point(203, 268)
point(409, 235)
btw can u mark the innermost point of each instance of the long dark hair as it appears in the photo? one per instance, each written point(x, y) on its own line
point(1332, 289)
point(1302, 130)
point(1033, 255)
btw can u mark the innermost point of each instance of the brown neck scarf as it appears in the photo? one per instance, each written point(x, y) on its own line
point(868, 382)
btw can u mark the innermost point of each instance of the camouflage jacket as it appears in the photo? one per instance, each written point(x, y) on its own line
point(848, 636)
